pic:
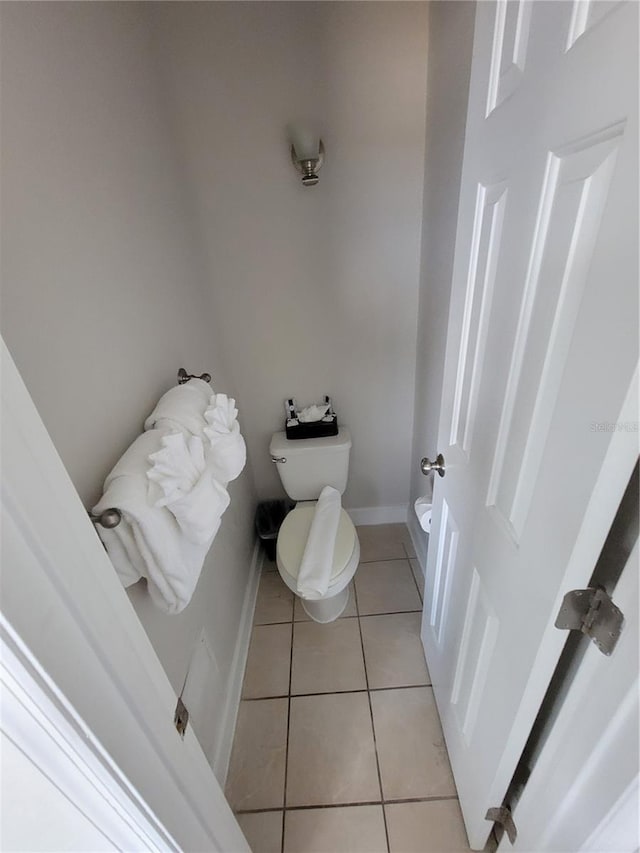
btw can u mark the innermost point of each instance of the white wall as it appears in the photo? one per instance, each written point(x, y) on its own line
point(317, 287)
point(450, 47)
point(103, 294)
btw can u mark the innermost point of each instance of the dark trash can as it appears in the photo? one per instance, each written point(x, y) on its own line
point(269, 518)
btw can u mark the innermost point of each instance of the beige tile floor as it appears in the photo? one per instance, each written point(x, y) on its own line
point(338, 746)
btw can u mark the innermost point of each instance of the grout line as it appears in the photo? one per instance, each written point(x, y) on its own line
point(401, 800)
point(387, 559)
point(391, 612)
point(307, 620)
point(351, 805)
point(340, 618)
point(406, 551)
point(338, 692)
point(286, 751)
point(413, 575)
point(373, 730)
point(262, 698)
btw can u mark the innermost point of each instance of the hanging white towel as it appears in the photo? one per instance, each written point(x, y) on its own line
point(149, 542)
point(182, 407)
point(171, 488)
point(317, 559)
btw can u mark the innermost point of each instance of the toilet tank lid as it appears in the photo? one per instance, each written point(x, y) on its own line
point(283, 446)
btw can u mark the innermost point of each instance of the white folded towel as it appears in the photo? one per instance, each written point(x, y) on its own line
point(188, 487)
point(182, 407)
point(317, 560)
point(148, 542)
point(228, 453)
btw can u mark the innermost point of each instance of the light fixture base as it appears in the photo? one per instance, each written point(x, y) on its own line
point(308, 167)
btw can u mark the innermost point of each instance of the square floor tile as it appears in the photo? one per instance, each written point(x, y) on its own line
point(393, 650)
point(256, 771)
point(327, 658)
point(274, 602)
point(349, 829)
point(434, 827)
point(268, 661)
point(263, 831)
point(331, 751)
point(382, 542)
point(413, 758)
point(386, 587)
point(417, 573)
point(350, 610)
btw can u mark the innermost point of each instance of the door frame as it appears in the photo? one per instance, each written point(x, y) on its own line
point(74, 646)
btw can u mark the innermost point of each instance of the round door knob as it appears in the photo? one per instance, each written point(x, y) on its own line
point(427, 466)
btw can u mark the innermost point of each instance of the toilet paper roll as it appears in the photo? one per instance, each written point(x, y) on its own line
point(423, 508)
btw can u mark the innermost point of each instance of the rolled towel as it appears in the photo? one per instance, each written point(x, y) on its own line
point(227, 453)
point(149, 542)
point(189, 489)
point(182, 407)
point(317, 560)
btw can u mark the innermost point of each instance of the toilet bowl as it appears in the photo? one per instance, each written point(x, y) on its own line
point(305, 467)
point(290, 546)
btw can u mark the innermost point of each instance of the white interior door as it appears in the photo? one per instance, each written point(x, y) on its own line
point(585, 781)
point(538, 409)
point(79, 646)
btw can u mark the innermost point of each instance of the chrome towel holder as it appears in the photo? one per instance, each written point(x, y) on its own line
point(112, 517)
point(183, 376)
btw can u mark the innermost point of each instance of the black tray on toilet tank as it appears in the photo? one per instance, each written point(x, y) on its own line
point(315, 429)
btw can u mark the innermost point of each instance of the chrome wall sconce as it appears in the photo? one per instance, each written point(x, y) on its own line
point(307, 154)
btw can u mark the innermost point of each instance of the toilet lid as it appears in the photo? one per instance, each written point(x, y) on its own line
point(294, 533)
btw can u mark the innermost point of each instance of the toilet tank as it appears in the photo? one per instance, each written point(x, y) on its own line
point(311, 463)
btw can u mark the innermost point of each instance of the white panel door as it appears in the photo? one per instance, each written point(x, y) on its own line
point(538, 411)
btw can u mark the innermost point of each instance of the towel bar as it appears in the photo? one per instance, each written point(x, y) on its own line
point(112, 517)
point(108, 518)
point(183, 376)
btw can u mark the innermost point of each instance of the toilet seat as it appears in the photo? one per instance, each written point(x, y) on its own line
point(292, 539)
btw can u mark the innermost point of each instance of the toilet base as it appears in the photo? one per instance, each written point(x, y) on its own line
point(326, 609)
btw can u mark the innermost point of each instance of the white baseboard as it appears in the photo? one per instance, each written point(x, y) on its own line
point(419, 538)
point(366, 515)
point(236, 674)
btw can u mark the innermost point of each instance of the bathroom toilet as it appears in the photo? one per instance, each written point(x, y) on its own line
point(305, 468)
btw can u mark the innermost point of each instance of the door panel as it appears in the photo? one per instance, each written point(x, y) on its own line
point(485, 249)
point(541, 350)
point(478, 641)
point(509, 53)
point(443, 574)
point(574, 193)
